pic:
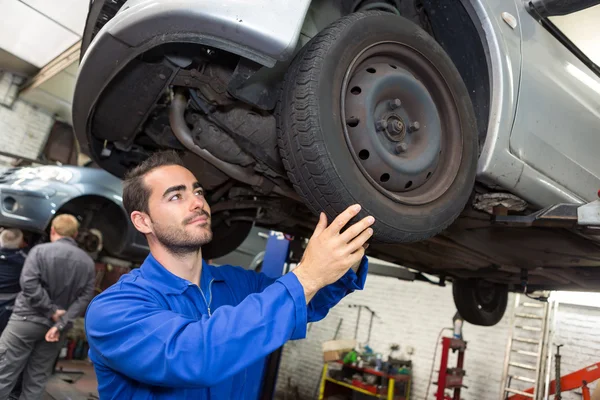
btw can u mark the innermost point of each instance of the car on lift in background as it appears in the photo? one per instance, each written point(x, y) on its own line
point(434, 115)
point(30, 197)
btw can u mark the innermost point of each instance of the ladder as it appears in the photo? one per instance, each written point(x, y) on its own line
point(526, 351)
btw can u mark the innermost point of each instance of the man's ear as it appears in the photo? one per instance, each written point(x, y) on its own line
point(141, 221)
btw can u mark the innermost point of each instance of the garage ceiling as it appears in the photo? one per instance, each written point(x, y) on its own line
point(37, 31)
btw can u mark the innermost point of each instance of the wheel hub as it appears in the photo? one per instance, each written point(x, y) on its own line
point(392, 103)
point(393, 127)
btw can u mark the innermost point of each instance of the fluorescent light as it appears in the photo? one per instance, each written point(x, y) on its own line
point(31, 36)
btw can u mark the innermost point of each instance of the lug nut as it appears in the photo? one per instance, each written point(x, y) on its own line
point(415, 126)
point(401, 147)
point(399, 126)
point(381, 124)
point(395, 104)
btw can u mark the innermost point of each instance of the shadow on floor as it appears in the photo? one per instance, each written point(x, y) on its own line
point(73, 380)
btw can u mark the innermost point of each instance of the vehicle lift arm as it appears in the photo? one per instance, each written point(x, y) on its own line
point(585, 218)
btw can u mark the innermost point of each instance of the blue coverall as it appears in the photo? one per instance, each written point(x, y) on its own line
point(154, 335)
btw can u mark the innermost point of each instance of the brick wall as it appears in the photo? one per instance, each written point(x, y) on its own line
point(410, 314)
point(578, 329)
point(23, 128)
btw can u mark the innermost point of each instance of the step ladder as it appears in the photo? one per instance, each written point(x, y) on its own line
point(525, 363)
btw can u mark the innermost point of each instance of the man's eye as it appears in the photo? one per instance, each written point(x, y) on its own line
point(175, 197)
point(200, 192)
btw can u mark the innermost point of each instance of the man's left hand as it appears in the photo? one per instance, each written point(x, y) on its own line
point(53, 335)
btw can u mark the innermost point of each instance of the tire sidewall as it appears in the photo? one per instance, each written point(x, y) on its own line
point(369, 29)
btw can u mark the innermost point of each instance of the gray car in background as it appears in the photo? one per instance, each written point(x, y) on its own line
point(434, 115)
point(30, 197)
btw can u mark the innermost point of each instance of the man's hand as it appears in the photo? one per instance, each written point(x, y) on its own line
point(52, 335)
point(57, 314)
point(330, 253)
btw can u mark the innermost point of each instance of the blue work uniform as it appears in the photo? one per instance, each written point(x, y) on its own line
point(154, 335)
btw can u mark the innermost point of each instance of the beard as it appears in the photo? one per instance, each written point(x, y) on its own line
point(177, 240)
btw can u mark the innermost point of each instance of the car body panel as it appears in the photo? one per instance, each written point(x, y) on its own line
point(238, 27)
point(557, 124)
point(39, 199)
point(500, 165)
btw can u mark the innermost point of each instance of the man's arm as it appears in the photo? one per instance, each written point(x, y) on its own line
point(327, 297)
point(133, 334)
point(85, 296)
point(31, 285)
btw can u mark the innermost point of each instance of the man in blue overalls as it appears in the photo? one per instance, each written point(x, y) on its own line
point(179, 328)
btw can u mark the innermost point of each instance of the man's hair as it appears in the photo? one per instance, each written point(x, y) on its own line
point(65, 225)
point(11, 239)
point(135, 193)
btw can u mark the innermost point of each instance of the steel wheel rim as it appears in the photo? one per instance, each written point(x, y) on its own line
point(416, 160)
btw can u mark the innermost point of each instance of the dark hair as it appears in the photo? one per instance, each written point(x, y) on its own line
point(135, 193)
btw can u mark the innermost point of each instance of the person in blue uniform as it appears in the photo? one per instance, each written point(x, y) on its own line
point(180, 328)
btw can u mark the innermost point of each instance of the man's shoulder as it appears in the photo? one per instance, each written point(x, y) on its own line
point(128, 284)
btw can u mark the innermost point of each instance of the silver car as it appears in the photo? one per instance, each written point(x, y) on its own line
point(436, 116)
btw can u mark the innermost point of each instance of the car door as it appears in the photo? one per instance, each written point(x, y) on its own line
point(557, 124)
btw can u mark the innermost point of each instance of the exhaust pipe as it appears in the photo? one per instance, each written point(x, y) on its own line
point(184, 135)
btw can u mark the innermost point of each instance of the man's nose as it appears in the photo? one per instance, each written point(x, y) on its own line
point(198, 202)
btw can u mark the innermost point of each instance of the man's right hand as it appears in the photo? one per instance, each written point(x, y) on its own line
point(330, 253)
point(57, 314)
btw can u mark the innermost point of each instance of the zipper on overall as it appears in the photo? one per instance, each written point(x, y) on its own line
point(210, 294)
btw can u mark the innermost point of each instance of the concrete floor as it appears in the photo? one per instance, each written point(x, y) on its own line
point(72, 386)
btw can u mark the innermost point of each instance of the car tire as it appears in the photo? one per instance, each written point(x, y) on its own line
point(423, 190)
point(226, 238)
point(480, 302)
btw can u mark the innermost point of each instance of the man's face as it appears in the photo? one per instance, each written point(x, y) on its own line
point(179, 214)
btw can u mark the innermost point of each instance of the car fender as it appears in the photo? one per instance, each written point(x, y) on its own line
point(93, 189)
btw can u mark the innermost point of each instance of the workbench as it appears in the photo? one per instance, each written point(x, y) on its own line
point(389, 387)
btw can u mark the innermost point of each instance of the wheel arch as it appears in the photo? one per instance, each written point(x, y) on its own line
point(457, 25)
point(112, 222)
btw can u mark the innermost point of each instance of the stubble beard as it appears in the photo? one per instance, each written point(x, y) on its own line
point(179, 242)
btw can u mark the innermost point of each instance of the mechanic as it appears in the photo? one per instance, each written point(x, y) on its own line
point(57, 283)
point(180, 328)
point(12, 258)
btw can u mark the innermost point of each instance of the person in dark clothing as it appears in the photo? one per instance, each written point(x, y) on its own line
point(57, 283)
point(12, 258)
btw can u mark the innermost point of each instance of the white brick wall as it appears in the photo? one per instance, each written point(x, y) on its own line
point(23, 129)
point(410, 314)
point(578, 329)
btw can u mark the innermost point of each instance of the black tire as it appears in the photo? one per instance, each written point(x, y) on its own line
point(314, 148)
point(480, 302)
point(226, 238)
